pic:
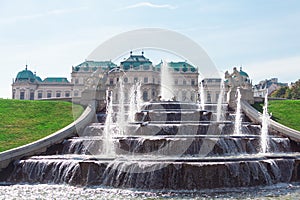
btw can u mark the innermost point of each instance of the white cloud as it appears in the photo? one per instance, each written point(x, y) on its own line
point(149, 5)
point(16, 19)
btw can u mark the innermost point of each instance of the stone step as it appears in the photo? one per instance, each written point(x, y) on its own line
point(187, 128)
point(180, 174)
point(178, 145)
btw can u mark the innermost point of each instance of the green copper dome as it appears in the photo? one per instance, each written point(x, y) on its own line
point(242, 73)
point(27, 75)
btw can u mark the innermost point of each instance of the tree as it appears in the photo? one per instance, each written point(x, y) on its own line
point(280, 92)
point(295, 90)
point(290, 93)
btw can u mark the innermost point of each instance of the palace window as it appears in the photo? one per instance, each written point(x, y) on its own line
point(58, 94)
point(145, 79)
point(49, 94)
point(31, 96)
point(136, 79)
point(184, 82)
point(145, 96)
point(76, 81)
point(76, 94)
point(193, 82)
point(153, 93)
point(67, 94)
point(40, 94)
point(22, 95)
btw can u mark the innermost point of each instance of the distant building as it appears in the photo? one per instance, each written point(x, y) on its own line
point(27, 85)
point(270, 85)
point(136, 68)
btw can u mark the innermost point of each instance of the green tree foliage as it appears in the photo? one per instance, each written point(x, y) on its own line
point(295, 90)
point(288, 92)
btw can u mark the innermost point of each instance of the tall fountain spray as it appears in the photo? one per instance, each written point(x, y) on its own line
point(107, 147)
point(202, 96)
point(135, 101)
point(220, 111)
point(167, 82)
point(238, 117)
point(121, 121)
point(264, 126)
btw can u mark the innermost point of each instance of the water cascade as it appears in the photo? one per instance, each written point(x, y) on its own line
point(264, 126)
point(171, 145)
point(135, 101)
point(107, 147)
point(121, 117)
point(220, 110)
point(202, 96)
point(167, 82)
point(238, 117)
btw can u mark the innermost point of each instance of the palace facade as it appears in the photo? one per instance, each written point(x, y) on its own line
point(135, 69)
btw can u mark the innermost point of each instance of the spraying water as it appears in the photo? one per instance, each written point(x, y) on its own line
point(202, 96)
point(238, 117)
point(264, 127)
point(135, 101)
point(167, 81)
point(220, 111)
point(107, 135)
point(121, 121)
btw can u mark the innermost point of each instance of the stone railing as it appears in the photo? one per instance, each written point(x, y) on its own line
point(41, 145)
point(255, 116)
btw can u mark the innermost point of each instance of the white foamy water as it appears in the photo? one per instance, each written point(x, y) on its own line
point(47, 191)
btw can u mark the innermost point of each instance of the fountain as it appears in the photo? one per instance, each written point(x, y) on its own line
point(238, 118)
point(264, 127)
point(135, 101)
point(169, 145)
point(167, 82)
point(121, 117)
point(202, 96)
point(107, 148)
point(220, 111)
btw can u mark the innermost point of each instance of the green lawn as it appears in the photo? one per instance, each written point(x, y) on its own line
point(286, 112)
point(23, 121)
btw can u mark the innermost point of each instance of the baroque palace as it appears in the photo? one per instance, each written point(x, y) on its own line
point(136, 68)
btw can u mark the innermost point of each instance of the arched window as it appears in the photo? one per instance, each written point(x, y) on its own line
point(76, 94)
point(40, 94)
point(58, 93)
point(22, 94)
point(31, 95)
point(145, 96)
point(67, 93)
point(49, 94)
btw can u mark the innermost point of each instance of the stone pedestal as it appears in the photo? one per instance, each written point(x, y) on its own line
point(246, 94)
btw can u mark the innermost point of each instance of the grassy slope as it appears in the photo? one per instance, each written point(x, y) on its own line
point(286, 112)
point(22, 122)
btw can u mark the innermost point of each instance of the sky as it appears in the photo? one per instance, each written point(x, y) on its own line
point(51, 36)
